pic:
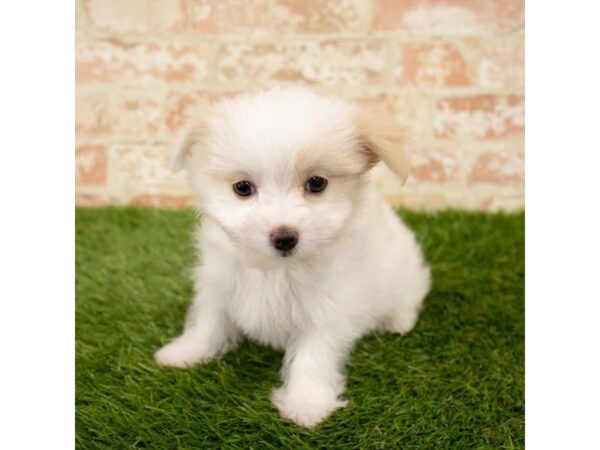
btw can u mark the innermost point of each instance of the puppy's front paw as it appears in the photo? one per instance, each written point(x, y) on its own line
point(303, 408)
point(180, 353)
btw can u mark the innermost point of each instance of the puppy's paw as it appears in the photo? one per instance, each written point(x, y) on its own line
point(180, 353)
point(303, 408)
point(402, 322)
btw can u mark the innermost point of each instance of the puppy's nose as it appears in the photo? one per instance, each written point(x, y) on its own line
point(284, 238)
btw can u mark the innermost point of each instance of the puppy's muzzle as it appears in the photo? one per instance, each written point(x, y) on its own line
point(284, 239)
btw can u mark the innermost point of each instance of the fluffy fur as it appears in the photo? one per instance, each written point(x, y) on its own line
point(356, 266)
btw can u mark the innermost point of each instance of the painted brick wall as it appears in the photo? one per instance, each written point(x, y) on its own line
point(451, 70)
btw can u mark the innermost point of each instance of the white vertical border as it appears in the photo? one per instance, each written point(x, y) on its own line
point(37, 224)
point(563, 225)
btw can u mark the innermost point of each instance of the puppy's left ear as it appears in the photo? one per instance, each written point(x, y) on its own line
point(193, 133)
point(382, 139)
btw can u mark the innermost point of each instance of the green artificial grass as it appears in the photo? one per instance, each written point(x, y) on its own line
point(456, 382)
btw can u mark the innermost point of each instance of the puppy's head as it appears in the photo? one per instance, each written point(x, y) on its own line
point(283, 172)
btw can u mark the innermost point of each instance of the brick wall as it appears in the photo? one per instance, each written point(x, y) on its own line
point(451, 70)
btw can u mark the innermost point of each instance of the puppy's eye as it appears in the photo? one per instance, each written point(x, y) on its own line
point(315, 185)
point(244, 188)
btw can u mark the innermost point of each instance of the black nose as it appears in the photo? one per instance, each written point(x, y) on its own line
point(284, 238)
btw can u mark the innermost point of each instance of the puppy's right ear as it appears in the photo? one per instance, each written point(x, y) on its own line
point(192, 134)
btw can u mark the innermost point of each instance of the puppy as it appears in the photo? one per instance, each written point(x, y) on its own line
point(299, 250)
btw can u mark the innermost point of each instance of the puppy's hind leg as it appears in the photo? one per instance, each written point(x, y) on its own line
point(209, 333)
point(404, 314)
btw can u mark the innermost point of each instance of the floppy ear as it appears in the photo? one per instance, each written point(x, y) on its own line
point(192, 133)
point(382, 139)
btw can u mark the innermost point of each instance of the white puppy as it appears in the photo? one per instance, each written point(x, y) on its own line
point(299, 250)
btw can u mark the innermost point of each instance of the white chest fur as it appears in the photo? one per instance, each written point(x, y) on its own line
point(266, 305)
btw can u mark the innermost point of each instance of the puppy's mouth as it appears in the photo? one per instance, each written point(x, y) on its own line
point(286, 253)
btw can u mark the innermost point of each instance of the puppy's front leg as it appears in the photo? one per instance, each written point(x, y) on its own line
point(313, 379)
point(208, 333)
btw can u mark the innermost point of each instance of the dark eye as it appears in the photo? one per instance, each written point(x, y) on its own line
point(244, 188)
point(315, 184)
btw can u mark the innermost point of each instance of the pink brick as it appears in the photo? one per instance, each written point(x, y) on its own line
point(138, 114)
point(328, 63)
point(92, 113)
point(178, 106)
point(459, 17)
point(415, 111)
point(163, 201)
point(114, 61)
point(502, 64)
point(433, 64)
point(480, 117)
point(506, 168)
point(411, 111)
point(436, 165)
point(144, 169)
point(319, 16)
point(91, 165)
point(136, 16)
point(229, 16)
